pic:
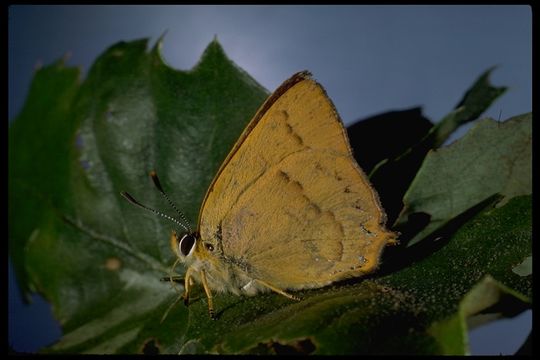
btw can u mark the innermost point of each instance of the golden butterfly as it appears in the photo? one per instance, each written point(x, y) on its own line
point(289, 208)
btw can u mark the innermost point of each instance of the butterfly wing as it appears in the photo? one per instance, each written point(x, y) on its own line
point(290, 206)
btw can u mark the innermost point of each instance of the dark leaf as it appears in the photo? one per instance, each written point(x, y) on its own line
point(491, 158)
point(393, 176)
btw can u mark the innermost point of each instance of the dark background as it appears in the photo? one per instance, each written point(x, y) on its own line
point(370, 59)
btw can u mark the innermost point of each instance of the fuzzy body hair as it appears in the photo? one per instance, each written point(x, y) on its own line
point(221, 276)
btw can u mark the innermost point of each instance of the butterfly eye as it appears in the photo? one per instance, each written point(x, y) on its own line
point(209, 246)
point(186, 244)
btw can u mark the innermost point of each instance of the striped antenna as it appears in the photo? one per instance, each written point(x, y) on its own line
point(132, 200)
point(155, 179)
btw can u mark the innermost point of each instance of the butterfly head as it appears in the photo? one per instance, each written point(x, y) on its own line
point(188, 247)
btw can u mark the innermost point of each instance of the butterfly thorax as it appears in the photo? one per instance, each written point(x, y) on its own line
point(222, 273)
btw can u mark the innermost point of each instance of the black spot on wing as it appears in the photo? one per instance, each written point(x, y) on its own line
point(284, 175)
point(297, 138)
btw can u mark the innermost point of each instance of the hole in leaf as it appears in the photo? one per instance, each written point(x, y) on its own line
point(298, 347)
point(150, 347)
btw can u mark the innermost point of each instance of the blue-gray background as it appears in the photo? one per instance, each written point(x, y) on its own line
point(370, 59)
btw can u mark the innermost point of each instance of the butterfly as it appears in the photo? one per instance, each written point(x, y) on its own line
point(289, 208)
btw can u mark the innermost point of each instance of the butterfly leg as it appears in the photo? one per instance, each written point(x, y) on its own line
point(176, 279)
point(277, 290)
point(208, 295)
point(187, 281)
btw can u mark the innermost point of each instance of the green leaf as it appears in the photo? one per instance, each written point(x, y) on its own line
point(74, 148)
point(493, 157)
point(475, 101)
point(38, 158)
point(405, 163)
point(472, 273)
point(99, 260)
point(483, 297)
